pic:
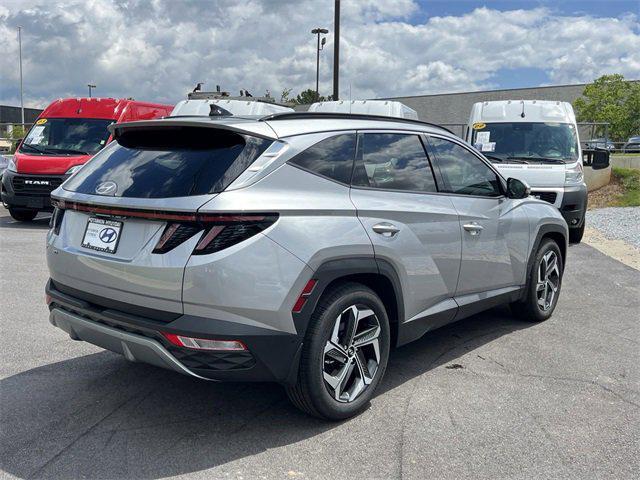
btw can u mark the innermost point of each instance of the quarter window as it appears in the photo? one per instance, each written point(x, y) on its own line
point(393, 161)
point(332, 157)
point(462, 171)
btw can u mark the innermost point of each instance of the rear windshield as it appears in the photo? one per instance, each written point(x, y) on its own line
point(168, 162)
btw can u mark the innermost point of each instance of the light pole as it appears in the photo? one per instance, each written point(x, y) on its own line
point(336, 49)
point(90, 87)
point(318, 31)
point(20, 62)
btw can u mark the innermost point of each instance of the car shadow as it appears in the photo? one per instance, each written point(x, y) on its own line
point(98, 416)
point(41, 222)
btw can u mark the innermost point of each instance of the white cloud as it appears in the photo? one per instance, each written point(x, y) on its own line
point(158, 50)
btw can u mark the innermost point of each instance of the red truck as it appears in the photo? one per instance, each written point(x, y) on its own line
point(63, 138)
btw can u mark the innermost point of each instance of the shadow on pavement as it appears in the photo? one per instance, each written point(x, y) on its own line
point(98, 416)
point(41, 222)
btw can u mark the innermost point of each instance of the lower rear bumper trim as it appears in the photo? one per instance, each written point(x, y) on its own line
point(135, 348)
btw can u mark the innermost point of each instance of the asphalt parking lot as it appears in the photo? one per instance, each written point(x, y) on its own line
point(489, 397)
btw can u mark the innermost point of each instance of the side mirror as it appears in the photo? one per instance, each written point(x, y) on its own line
point(517, 188)
point(597, 159)
point(600, 159)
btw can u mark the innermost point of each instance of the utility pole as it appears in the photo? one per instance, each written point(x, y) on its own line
point(336, 50)
point(90, 87)
point(318, 31)
point(20, 62)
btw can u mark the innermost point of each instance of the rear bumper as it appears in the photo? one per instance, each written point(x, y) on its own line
point(271, 355)
point(135, 348)
point(574, 205)
point(17, 192)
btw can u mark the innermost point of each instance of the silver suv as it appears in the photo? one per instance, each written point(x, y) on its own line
point(296, 248)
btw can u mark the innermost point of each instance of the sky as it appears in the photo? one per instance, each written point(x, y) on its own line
point(157, 50)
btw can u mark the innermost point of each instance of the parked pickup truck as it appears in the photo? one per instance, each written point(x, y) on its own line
point(63, 138)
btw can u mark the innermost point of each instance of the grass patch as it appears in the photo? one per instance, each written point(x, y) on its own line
point(629, 180)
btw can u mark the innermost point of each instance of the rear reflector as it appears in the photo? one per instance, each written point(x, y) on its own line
point(204, 343)
point(302, 299)
point(48, 299)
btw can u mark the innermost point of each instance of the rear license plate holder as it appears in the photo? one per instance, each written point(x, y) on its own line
point(102, 235)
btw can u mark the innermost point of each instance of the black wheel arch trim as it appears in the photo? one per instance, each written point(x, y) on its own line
point(543, 231)
point(343, 268)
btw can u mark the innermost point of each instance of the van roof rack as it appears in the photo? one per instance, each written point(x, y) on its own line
point(353, 116)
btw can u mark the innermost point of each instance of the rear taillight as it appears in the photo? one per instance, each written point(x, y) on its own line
point(56, 220)
point(174, 234)
point(204, 343)
point(218, 231)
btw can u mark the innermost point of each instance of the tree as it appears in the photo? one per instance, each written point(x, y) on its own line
point(309, 96)
point(284, 96)
point(17, 133)
point(611, 99)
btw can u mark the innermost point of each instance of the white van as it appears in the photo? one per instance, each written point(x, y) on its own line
point(535, 141)
point(386, 108)
point(220, 106)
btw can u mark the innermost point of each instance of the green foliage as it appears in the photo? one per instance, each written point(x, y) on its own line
point(308, 96)
point(285, 95)
point(611, 99)
point(17, 133)
point(629, 179)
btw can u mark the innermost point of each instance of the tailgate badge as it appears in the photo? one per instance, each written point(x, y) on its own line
point(106, 188)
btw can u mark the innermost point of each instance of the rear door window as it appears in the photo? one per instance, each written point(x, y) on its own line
point(331, 158)
point(169, 162)
point(393, 161)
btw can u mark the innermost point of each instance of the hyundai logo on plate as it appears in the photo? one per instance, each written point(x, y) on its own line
point(108, 235)
point(106, 188)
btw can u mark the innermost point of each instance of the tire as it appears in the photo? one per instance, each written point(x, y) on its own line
point(22, 214)
point(576, 234)
point(536, 305)
point(328, 355)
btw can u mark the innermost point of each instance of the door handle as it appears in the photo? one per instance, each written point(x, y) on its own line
point(386, 229)
point(473, 228)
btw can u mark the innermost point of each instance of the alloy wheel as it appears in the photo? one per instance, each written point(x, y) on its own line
point(352, 353)
point(548, 280)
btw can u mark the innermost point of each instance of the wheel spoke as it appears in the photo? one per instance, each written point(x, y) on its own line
point(351, 325)
point(336, 381)
point(551, 264)
point(335, 352)
point(363, 368)
point(366, 336)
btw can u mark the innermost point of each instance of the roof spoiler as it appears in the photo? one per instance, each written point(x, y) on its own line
point(266, 132)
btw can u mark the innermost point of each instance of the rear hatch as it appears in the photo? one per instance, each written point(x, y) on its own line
point(127, 223)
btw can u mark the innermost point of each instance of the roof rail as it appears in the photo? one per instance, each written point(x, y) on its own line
point(353, 116)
